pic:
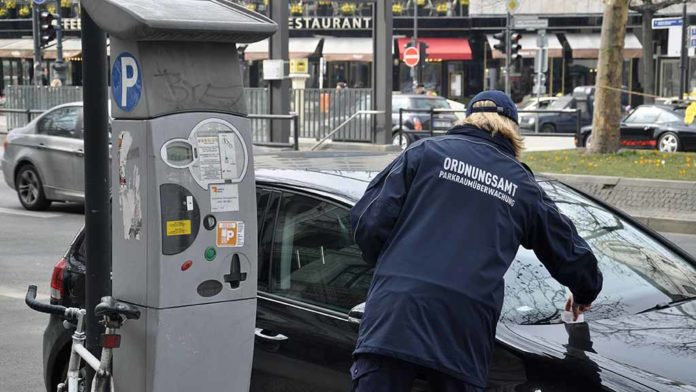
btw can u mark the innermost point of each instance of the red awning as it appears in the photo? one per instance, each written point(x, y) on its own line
point(441, 49)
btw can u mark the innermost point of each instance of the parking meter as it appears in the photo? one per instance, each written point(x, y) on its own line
point(183, 192)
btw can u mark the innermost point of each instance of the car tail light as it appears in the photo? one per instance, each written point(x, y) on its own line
point(417, 124)
point(57, 289)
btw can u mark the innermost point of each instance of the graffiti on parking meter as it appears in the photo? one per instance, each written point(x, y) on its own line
point(181, 91)
point(690, 113)
point(126, 81)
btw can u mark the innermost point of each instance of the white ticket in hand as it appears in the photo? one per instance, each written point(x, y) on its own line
point(567, 317)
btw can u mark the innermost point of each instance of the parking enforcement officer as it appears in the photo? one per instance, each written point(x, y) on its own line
point(441, 224)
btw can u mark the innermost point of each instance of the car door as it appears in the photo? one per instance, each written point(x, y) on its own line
point(60, 145)
point(638, 128)
point(316, 274)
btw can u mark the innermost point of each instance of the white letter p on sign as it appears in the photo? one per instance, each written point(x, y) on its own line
point(127, 82)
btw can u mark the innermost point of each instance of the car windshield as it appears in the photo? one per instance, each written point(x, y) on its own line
point(639, 272)
point(560, 103)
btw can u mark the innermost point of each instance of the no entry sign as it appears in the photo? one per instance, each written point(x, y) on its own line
point(411, 56)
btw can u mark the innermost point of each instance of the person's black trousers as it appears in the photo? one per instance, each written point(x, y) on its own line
point(376, 373)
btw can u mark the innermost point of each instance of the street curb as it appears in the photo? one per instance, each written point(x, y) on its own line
point(668, 225)
point(622, 193)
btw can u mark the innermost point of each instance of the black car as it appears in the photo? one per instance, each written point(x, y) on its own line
point(652, 127)
point(639, 336)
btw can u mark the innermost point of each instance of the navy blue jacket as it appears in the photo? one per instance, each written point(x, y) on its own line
point(442, 223)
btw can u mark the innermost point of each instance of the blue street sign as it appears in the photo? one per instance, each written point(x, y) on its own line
point(662, 23)
point(126, 81)
point(39, 2)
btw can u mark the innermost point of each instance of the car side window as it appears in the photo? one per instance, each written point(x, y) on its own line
point(267, 205)
point(314, 258)
point(643, 115)
point(63, 122)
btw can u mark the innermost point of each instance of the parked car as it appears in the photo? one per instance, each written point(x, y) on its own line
point(42, 157)
point(534, 103)
point(556, 121)
point(460, 107)
point(416, 125)
point(638, 337)
point(659, 127)
point(44, 160)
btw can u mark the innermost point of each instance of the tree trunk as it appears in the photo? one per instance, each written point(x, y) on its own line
point(607, 106)
point(648, 80)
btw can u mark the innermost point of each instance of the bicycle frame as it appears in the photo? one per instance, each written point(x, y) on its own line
point(78, 353)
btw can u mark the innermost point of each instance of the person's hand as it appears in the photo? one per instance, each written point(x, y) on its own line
point(576, 308)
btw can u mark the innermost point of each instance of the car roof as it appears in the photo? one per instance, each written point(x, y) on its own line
point(343, 174)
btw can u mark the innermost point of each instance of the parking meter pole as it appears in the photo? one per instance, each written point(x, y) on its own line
point(96, 148)
point(36, 31)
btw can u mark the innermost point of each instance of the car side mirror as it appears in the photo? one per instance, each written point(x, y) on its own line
point(356, 314)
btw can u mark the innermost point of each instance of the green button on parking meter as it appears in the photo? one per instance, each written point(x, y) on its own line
point(210, 253)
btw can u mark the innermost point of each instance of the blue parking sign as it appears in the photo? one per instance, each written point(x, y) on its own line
point(126, 81)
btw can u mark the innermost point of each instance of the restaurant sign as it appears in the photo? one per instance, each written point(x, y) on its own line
point(329, 23)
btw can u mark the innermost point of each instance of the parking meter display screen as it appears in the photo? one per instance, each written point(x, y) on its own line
point(179, 154)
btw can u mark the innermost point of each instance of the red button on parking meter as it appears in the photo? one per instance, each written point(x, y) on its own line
point(187, 264)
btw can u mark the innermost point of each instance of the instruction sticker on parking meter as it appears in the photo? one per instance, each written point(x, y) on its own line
point(228, 155)
point(209, 158)
point(178, 227)
point(224, 197)
point(230, 234)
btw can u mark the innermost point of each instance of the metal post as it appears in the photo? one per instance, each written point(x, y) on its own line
point(414, 41)
point(36, 31)
point(508, 53)
point(296, 131)
point(683, 59)
point(382, 71)
point(432, 130)
point(97, 205)
point(59, 65)
point(279, 90)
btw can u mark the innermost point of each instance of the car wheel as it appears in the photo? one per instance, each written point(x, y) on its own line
point(668, 142)
point(30, 189)
point(401, 142)
point(588, 141)
point(548, 128)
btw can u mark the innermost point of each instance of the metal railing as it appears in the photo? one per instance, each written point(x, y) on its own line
point(295, 145)
point(431, 113)
point(35, 99)
point(338, 128)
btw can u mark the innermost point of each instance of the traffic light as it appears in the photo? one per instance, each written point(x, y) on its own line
point(47, 29)
point(515, 46)
point(423, 52)
point(501, 41)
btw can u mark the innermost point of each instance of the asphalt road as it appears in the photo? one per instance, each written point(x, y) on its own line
point(30, 244)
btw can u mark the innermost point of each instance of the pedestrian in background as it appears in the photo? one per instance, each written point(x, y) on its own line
point(442, 224)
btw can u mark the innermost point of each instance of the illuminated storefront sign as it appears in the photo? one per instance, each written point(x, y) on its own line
point(337, 23)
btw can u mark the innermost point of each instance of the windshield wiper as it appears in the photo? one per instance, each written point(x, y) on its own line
point(666, 305)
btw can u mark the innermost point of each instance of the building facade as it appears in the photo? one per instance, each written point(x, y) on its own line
point(335, 38)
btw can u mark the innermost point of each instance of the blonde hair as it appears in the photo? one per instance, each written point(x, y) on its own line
point(493, 123)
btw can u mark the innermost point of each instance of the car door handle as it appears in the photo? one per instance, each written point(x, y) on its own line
point(41, 146)
point(258, 332)
point(79, 152)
